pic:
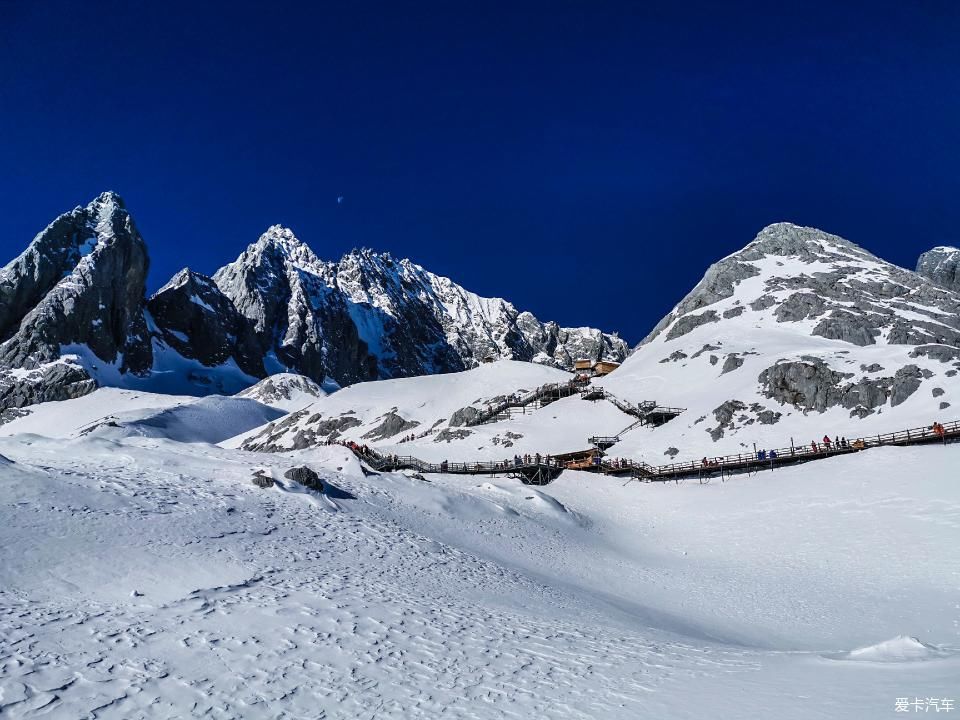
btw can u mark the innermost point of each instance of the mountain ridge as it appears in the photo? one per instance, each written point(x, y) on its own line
point(74, 306)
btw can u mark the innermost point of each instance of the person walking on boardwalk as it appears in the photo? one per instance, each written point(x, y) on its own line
point(940, 431)
point(813, 445)
point(826, 443)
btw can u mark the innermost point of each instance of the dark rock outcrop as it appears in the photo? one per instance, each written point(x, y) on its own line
point(731, 363)
point(54, 381)
point(391, 425)
point(200, 322)
point(305, 476)
point(464, 416)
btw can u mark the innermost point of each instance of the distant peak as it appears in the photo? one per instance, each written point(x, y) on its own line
point(183, 277)
point(279, 236)
point(282, 240)
point(807, 243)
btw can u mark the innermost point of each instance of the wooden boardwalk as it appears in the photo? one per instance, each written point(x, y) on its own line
point(533, 400)
point(541, 470)
point(647, 412)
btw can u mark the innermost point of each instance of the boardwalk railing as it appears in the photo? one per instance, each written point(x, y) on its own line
point(814, 451)
point(647, 412)
point(542, 469)
point(543, 395)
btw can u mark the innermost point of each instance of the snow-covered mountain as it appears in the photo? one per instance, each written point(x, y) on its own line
point(370, 316)
point(73, 316)
point(153, 565)
point(799, 334)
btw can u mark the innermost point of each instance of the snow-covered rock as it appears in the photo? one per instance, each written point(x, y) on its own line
point(285, 391)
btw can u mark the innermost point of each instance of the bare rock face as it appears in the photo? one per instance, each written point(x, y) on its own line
point(300, 320)
point(941, 265)
point(79, 283)
point(464, 416)
point(393, 424)
point(810, 384)
point(724, 415)
point(200, 322)
point(731, 363)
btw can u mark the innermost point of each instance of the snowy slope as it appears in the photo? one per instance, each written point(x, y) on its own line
point(390, 409)
point(169, 586)
point(424, 417)
point(68, 418)
point(210, 419)
point(115, 413)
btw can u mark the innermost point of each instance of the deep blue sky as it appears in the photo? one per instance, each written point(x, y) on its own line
point(586, 160)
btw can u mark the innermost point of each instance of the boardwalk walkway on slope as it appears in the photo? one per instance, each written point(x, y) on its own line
point(547, 468)
point(543, 395)
point(647, 412)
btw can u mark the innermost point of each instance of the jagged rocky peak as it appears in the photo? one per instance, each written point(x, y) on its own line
point(282, 242)
point(941, 265)
point(818, 284)
point(299, 318)
point(78, 289)
point(372, 316)
point(79, 283)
